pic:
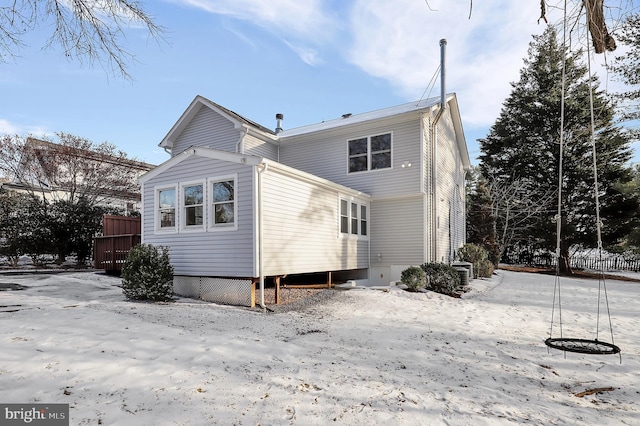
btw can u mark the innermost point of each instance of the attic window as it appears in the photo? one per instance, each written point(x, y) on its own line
point(370, 153)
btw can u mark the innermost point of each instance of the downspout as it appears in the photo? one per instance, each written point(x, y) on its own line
point(261, 170)
point(434, 153)
point(239, 144)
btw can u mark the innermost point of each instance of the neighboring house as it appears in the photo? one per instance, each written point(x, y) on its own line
point(362, 197)
point(112, 179)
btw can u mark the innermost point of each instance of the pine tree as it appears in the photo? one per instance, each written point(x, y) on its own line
point(626, 68)
point(523, 146)
point(481, 221)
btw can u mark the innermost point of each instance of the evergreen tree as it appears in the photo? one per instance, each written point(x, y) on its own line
point(626, 68)
point(481, 221)
point(523, 146)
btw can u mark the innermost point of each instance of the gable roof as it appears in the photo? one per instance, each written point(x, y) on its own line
point(348, 119)
point(199, 102)
point(411, 107)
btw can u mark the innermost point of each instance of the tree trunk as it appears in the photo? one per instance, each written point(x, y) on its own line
point(564, 261)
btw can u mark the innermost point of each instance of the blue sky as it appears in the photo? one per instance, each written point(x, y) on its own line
point(311, 60)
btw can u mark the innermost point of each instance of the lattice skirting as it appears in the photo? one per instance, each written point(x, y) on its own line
point(229, 291)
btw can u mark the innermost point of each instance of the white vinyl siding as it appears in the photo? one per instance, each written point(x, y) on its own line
point(450, 181)
point(397, 236)
point(301, 227)
point(208, 129)
point(304, 151)
point(206, 253)
point(260, 148)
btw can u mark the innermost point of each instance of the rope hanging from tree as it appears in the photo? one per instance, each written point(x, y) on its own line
point(570, 344)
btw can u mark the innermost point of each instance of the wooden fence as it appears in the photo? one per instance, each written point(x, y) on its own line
point(120, 225)
point(119, 234)
point(110, 252)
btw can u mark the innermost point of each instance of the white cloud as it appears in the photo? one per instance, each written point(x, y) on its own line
point(302, 23)
point(11, 128)
point(399, 41)
point(307, 54)
point(8, 127)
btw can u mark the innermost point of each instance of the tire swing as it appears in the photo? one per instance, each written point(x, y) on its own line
point(593, 346)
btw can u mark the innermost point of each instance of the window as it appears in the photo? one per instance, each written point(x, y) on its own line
point(344, 216)
point(193, 205)
point(370, 153)
point(166, 209)
point(363, 220)
point(353, 218)
point(223, 203)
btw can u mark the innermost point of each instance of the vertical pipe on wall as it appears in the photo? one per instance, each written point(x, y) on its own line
point(434, 154)
point(261, 170)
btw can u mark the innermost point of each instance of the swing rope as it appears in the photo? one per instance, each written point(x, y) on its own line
point(558, 216)
point(572, 344)
point(602, 284)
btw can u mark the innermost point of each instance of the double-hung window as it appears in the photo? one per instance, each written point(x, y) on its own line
point(205, 205)
point(353, 218)
point(166, 212)
point(223, 203)
point(370, 153)
point(193, 206)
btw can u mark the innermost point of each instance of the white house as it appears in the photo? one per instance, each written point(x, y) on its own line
point(360, 197)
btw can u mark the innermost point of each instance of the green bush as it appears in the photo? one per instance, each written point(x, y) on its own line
point(147, 274)
point(442, 278)
point(479, 257)
point(414, 278)
point(485, 269)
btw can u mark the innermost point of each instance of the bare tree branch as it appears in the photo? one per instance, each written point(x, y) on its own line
point(86, 30)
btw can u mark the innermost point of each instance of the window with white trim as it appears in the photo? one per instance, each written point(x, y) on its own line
point(166, 209)
point(223, 202)
point(353, 218)
point(344, 216)
point(370, 153)
point(193, 206)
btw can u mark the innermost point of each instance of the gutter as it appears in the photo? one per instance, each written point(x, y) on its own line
point(434, 154)
point(261, 170)
point(240, 143)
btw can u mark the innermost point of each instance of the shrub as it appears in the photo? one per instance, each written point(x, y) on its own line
point(479, 257)
point(442, 278)
point(147, 274)
point(414, 278)
point(485, 268)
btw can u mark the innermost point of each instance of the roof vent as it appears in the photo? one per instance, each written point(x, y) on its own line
point(279, 118)
point(347, 115)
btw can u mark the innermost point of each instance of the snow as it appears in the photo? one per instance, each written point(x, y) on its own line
point(364, 357)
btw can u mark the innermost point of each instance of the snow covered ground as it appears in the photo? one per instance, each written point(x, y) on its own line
point(365, 357)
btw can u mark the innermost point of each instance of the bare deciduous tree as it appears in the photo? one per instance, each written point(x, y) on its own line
point(72, 169)
point(86, 30)
point(516, 210)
